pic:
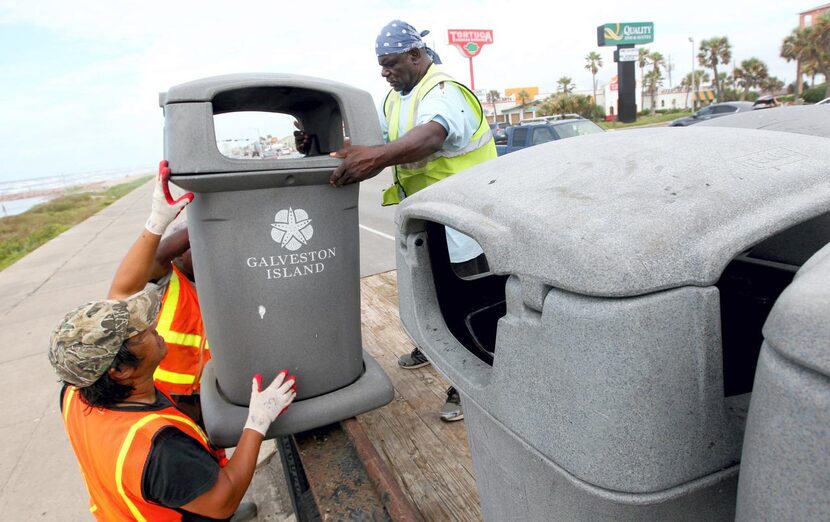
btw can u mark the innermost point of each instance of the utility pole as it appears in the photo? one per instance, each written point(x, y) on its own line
point(669, 67)
point(694, 76)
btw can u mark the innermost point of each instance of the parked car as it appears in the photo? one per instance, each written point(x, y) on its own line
point(528, 135)
point(766, 102)
point(498, 131)
point(716, 110)
point(550, 118)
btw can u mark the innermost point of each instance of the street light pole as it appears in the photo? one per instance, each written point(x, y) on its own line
point(694, 82)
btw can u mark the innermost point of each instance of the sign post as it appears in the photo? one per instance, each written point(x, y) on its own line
point(625, 36)
point(469, 42)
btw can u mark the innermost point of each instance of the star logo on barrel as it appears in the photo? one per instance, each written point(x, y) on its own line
point(292, 228)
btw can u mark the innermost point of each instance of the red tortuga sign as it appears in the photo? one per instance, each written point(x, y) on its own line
point(470, 41)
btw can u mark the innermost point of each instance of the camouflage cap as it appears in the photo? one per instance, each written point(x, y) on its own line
point(84, 345)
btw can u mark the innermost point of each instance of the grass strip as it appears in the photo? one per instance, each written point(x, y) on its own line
point(644, 120)
point(24, 232)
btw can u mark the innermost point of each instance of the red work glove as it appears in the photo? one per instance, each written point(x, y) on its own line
point(165, 208)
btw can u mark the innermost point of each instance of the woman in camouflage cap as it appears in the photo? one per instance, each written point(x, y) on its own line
point(141, 457)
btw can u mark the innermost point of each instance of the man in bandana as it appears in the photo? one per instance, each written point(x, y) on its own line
point(433, 127)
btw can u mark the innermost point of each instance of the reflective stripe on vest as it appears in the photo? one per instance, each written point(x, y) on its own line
point(112, 447)
point(125, 448)
point(412, 177)
point(180, 324)
point(67, 400)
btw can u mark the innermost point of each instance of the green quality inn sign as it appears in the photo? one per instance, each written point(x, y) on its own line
point(633, 33)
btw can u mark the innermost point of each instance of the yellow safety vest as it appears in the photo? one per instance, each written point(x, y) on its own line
point(412, 177)
point(180, 324)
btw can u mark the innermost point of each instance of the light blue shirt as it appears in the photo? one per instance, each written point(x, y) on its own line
point(446, 105)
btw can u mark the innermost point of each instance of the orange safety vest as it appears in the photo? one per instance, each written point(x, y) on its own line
point(112, 447)
point(180, 323)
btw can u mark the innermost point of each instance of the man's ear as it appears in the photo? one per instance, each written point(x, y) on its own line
point(120, 374)
point(415, 55)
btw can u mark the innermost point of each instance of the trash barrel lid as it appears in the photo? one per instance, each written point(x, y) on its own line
point(632, 212)
point(813, 120)
point(206, 89)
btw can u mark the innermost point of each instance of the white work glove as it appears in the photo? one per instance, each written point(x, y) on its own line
point(165, 208)
point(268, 404)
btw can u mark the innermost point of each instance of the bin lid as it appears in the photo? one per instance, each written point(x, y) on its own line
point(633, 211)
point(206, 89)
point(800, 119)
point(798, 325)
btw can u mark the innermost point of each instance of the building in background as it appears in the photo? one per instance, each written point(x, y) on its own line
point(806, 19)
point(508, 107)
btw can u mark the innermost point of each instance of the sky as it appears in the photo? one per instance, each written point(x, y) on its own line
point(79, 80)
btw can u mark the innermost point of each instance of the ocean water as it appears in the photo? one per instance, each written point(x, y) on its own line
point(23, 186)
point(19, 206)
point(37, 186)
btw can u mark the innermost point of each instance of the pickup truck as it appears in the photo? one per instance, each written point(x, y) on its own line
point(522, 136)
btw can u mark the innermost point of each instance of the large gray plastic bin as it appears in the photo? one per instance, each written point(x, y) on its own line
point(276, 250)
point(785, 465)
point(800, 119)
point(623, 318)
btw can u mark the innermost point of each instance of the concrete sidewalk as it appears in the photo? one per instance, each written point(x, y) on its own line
point(39, 477)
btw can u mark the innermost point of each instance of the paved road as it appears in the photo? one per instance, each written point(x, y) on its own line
point(377, 227)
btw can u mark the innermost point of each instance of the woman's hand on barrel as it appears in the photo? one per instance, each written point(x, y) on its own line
point(266, 405)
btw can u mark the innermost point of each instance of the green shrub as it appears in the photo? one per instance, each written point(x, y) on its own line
point(815, 94)
point(23, 233)
point(597, 113)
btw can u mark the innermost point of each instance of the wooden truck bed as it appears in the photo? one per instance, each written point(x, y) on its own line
point(429, 458)
point(397, 463)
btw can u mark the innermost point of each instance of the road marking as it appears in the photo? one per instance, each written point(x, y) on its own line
point(378, 232)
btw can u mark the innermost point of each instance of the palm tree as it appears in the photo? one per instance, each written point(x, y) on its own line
point(565, 84)
point(692, 80)
point(492, 97)
point(772, 85)
point(523, 96)
point(797, 46)
point(821, 34)
point(642, 61)
point(561, 103)
point(725, 79)
point(752, 73)
point(713, 52)
point(657, 62)
point(810, 69)
point(700, 77)
point(810, 46)
point(594, 62)
point(653, 80)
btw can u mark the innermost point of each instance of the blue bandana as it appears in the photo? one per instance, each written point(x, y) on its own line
point(399, 37)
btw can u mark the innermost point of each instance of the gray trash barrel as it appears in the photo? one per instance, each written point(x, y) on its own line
point(606, 364)
point(275, 249)
point(785, 465)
